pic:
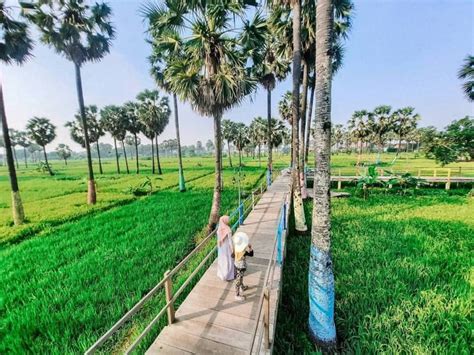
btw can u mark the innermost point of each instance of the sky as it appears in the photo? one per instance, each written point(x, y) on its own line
point(399, 53)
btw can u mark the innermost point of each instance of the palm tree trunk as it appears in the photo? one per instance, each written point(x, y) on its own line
point(158, 155)
point(17, 205)
point(46, 161)
point(91, 192)
point(359, 146)
point(116, 156)
point(98, 155)
point(399, 144)
point(269, 136)
point(136, 152)
point(228, 149)
point(321, 278)
point(16, 159)
point(24, 155)
point(216, 198)
point(125, 156)
point(308, 121)
point(300, 221)
point(65, 161)
point(240, 157)
point(259, 156)
point(182, 185)
point(152, 156)
point(304, 105)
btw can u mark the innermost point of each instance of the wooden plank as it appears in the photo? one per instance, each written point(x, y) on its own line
point(159, 347)
point(195, 344)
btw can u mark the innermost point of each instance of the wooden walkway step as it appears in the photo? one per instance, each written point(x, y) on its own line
point(210, 320)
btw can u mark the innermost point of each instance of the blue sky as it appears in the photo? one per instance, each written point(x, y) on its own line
point(400, 53)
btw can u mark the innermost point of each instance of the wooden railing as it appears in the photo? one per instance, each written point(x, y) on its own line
point(167, 282)
point(277, 258)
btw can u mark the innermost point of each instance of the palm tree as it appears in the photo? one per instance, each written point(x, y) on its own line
point(111, 121)
point(258, 134)
point(321, 278)
point(360, 130)
point(405, 121)
point(23, 141)
point(212, 75)
point(285, 111)
point(380, 123)
point(154, 113)
point(337, 135)
point(228, 133)
point(94, 126)
point(300, 221)
point(64, 152)
point(467, 73)
point(270, 66)
point(163, 52)
point(241, 139)
point(14, 142)
point(16, 46)
point(42, 132)
point(134, 126)
point(81, 33)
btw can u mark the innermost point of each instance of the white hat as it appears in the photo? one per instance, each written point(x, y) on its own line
point(241, 241)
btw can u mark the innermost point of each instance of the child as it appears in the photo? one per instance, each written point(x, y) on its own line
point(242, 249)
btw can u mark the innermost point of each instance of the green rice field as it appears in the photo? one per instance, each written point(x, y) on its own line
point(404, 276)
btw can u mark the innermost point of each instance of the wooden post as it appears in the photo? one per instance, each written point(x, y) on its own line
point(266, 317)
point(253, 199)
point(382, 172)
point(419, 172)
point(448, 181)
point(435, 171)
point(169, 296)
point(460, 172)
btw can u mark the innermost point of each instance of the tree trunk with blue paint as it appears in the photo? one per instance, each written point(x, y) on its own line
point(321, 278)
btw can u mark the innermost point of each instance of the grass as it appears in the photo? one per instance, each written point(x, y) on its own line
point(404, 277)
point(61, 291)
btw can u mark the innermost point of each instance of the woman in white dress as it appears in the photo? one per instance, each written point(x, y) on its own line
point(225, 249)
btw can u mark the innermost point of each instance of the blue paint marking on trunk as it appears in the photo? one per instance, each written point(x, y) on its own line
point(269, 177)
point(321, 296)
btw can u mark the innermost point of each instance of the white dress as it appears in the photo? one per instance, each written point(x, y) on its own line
point(225, 263)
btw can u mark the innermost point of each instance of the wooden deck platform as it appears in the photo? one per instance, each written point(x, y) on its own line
point(210, 320)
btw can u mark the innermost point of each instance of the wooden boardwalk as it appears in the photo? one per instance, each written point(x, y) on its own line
point(210, 320)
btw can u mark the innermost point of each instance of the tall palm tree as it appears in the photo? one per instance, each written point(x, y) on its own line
point(321, 278)
point(300, 220)
point(81, 33)
point(380, 123)
point(285, 111)
point(337, 135)
point(270, 66)
point(405, 121)
point(134, 126)
point(42, 132)
point(95, 130)
point(14, 142)
point(359, 128)
point(228, 133)
point(164, 51)
point(258, 134)
point(154, 113)
point(212, 75)
point(23, 141)
point(467, 73)
point(241, 138)
point(111, 121)
point(64, 152)
point(16, 46)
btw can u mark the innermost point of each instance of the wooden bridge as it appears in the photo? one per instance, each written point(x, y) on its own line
point(210, 320)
